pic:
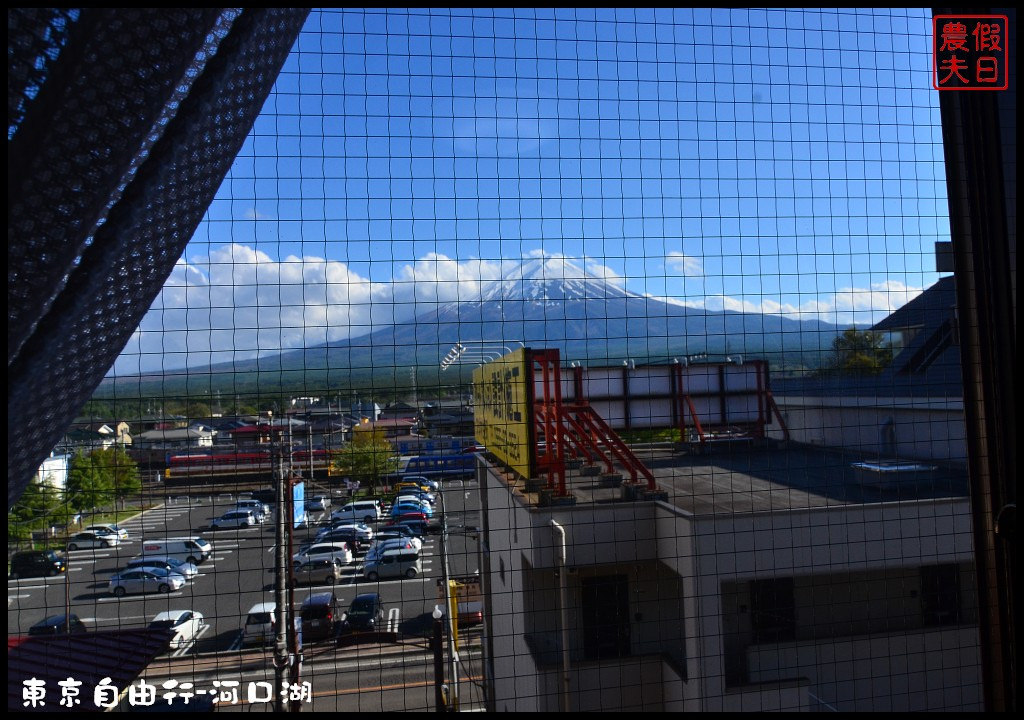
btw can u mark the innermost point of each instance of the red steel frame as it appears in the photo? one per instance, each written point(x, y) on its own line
point(573, 426)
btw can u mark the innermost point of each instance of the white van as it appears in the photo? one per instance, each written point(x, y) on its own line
point(260, 624)
point(361, 510)
point(187, 549)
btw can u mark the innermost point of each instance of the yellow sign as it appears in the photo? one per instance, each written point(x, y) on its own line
point(502, 414)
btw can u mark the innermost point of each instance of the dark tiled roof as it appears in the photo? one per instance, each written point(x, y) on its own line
point(120, 655)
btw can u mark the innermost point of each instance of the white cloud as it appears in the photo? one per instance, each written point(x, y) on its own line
point(684, 264)
point(846, 306)
point(254, 214)
point(239, 302)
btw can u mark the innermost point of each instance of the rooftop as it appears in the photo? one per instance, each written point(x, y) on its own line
point(735, 481)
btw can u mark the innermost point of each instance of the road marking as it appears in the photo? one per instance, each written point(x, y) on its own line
point(38, 579)
point(146, 596)
point(12, 598)
point(115, 620)
point(237, 644)
point(94, 555)
point(184, 649)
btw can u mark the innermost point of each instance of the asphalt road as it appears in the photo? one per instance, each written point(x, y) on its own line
point(238, 575)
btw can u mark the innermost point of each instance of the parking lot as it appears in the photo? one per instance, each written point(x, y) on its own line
point(238, 575)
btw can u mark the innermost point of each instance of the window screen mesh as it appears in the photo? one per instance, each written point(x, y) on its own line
point(724, 221)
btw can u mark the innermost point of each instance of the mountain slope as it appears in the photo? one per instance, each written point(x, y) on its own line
point(543, 302)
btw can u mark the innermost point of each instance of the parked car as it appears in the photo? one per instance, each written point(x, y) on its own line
point(409, 513)
point(364, 510)
point(260, 511)
point(392, 564)
point(267, 497)
point(417, 496)
point(164, 562)
point(58, 625)
point(319, 615)
point(380, 546)
point(234, 519)
point(390, 533)
point(184, 624)
point(188, 549)
point(334, 550)
point(145, 581)
point(319, 571)
point(91, 540)
point(348, 535)
point(37, 563)
point(366, 614)
point(318, 502)
point(418, 525)
point(423, 482)
point(260, 623)
point(362, 531)
point(404, 529)
point(408, 506)
point(470, 613)
point(121, 533)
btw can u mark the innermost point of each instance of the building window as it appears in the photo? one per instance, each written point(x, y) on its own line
point(605, 611)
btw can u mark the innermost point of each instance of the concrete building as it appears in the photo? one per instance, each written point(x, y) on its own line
point(834, 571)
point(769, 580)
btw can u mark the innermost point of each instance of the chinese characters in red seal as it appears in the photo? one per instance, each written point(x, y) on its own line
point(969, 52)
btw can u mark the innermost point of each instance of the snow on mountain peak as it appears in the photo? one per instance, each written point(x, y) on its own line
point(551, 278)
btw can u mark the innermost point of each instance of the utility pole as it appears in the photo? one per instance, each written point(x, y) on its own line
point(453, 657)
point(280, 573)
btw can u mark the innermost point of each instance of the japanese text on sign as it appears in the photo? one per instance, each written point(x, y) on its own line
point(501, 412)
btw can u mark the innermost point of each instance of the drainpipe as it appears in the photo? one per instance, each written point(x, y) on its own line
point(563, 611)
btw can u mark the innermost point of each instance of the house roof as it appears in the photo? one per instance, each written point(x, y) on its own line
point(120, 655)
point(928, 366)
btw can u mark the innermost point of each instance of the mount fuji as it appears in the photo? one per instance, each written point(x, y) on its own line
point(545, 302)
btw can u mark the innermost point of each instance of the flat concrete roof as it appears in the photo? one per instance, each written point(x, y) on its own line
point(736, 480)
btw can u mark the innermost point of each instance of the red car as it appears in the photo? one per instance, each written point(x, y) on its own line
point(410, 516)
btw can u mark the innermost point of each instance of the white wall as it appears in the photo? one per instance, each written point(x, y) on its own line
point(923, 428)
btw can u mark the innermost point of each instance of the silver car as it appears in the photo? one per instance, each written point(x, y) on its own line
point(186, 569)
point(145, 581)
point(235, 519)
point(87, 540)
point(319, 571)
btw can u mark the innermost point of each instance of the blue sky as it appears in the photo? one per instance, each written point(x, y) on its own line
point(776, 161)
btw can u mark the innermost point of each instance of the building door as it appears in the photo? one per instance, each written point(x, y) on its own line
point(605, 614)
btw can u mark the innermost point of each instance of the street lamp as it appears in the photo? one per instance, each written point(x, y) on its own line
point(436, 645)
point(453, 658)
point(472, 347)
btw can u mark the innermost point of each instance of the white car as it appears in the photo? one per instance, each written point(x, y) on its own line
point(90, 540)
point(363, 532)
point(319, 551)
point(387, 534)
point(121, 533)
point(260, 510)
point(185, 624)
